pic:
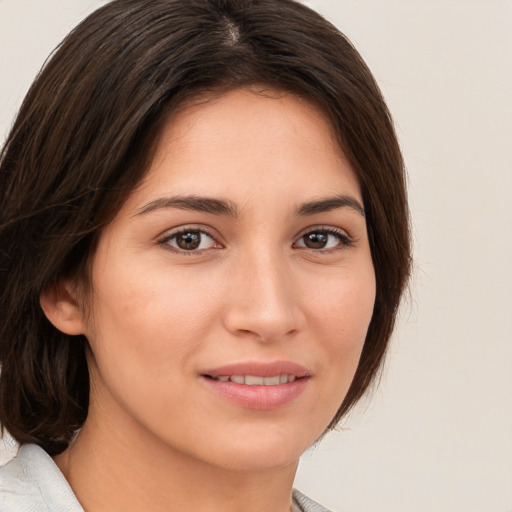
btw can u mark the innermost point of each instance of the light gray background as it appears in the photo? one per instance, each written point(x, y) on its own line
point(437, 434)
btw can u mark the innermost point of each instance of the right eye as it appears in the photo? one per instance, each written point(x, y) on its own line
point(324, 239)
point(189, 240)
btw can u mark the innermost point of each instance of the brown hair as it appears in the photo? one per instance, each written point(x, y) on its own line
point(82, 140)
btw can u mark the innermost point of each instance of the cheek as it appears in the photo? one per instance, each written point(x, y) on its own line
point(343, 306)
point(160, 302)
point(144, 336)
point(341, 312)
point(146, 325)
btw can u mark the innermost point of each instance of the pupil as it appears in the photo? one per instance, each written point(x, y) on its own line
point(188, 241)
point(316, 240)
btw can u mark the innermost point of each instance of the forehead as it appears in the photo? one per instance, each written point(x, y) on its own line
point(246, 144)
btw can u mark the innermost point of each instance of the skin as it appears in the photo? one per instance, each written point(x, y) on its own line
point(156, 437)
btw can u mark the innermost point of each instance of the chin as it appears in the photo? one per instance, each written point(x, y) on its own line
point(260, 460)
point(263, 450)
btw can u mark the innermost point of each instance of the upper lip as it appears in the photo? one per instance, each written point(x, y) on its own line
point(259, 369)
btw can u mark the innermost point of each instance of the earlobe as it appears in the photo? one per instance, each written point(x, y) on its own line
point(62, 309)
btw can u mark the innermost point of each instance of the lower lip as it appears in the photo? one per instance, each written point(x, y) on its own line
point(258, 397)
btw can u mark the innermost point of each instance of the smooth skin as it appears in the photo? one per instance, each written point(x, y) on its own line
point(274, 265)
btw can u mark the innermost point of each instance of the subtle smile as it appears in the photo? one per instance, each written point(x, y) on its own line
point(258, 385)
point(253, 380)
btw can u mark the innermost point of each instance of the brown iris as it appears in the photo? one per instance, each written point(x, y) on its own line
point(316, 240)
point(189, 240)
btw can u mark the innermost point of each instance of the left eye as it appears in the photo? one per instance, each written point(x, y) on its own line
point(190, 240)
point(322, 239)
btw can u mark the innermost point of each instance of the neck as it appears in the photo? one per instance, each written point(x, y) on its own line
point(135, 472)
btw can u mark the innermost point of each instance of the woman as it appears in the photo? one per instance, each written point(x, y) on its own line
point(204, 239)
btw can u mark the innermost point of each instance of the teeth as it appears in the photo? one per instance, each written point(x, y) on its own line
point(253, 380)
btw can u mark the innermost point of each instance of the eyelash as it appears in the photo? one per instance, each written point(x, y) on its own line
point(191, 229)
point(345, 241)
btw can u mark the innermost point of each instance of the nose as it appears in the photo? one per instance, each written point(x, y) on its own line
point(263, 300)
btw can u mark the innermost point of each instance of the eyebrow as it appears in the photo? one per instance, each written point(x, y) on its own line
point(228, 208)
point(195, 203)
point(330, 203)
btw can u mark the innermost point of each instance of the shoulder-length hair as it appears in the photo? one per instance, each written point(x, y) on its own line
point(84, 136)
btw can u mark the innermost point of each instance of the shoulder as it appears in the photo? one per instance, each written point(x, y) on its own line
point(307, 504)
point(31, 481)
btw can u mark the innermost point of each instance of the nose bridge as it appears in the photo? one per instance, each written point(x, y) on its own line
point(263, 301)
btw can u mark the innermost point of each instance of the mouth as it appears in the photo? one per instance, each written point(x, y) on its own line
point(255, 380)
point(256, 385)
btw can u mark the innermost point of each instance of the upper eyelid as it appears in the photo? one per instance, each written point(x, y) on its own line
point(323, 227)
point(170, 233)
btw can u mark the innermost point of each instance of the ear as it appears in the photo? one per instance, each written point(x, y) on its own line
point(62, 308)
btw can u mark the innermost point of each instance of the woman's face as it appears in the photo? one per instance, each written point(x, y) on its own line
point(233, 291)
